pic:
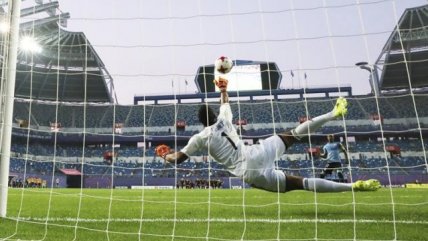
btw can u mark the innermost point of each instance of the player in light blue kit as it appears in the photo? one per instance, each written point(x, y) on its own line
point(255, 164)
point(331, 152)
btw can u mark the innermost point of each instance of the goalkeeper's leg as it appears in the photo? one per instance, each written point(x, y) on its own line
point(339, 110)
point(322, 185)
point(310, 126)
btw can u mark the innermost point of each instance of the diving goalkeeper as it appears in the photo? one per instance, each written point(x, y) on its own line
point(255, 163)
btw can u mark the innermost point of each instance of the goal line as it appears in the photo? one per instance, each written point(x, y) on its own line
point(204, 220)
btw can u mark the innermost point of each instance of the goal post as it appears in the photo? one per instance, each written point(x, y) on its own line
point(9, 91)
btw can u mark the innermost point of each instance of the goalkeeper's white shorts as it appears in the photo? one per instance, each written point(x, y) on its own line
point(260, 169)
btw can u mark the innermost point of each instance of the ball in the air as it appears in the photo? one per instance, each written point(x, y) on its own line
point(223, 64)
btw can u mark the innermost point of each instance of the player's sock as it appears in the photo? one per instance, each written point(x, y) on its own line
point(322, 185)
point(310, 126)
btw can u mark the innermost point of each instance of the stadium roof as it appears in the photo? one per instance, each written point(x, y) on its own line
point(405, 54)
point(67, 63)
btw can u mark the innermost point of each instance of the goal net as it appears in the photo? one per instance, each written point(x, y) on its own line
point(99, 84)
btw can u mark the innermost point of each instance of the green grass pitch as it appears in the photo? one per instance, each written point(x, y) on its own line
point(90, 214)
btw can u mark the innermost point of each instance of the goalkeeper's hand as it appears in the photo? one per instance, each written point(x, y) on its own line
point(221, 83)
point(162, 150)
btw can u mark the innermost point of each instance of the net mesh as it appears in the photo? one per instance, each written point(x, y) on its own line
point(69, 131)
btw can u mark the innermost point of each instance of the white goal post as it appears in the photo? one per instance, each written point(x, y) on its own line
point(8, 91)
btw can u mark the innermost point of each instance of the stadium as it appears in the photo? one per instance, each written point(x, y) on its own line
point(82, 166)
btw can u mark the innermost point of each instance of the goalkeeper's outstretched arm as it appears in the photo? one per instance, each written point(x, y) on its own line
point(179, 157)
point(221, 83)
point(176, 157)
point(224, 98)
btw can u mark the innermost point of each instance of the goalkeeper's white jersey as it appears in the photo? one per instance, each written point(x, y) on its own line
point(220, 141)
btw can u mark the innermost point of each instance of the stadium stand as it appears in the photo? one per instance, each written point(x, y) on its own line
point(370, 161)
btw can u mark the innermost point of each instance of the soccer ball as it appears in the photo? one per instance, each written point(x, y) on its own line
point(223, 65)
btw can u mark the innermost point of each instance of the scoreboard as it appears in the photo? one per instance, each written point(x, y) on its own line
point(245, 76)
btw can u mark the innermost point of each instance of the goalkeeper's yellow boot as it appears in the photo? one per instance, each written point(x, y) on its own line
point(369, 185)
point(340, 109)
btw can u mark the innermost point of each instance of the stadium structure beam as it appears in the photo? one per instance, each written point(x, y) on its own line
point(39, 8)
point(275, 93)
point(106, 75)
point(31, 24)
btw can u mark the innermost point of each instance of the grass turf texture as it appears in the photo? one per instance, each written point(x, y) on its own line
point(51, 214)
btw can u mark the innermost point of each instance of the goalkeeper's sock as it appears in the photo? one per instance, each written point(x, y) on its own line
point(310, 126)
point(322, 185)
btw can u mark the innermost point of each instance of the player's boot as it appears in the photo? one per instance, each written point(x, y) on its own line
point(368, 185)
point(340, 109)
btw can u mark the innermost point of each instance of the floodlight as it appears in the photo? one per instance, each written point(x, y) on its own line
point(4, 27)
point(374, 77)
point(29, 44)
point(361, 63)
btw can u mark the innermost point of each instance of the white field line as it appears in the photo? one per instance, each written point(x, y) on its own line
point(219, 220)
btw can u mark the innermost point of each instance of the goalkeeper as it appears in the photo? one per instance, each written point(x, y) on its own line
point(255, 163)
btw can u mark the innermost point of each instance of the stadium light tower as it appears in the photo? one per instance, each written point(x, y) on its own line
point(374, 77)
